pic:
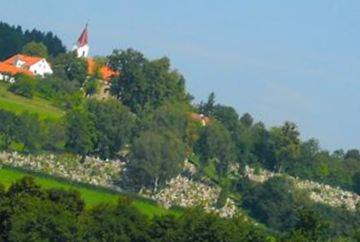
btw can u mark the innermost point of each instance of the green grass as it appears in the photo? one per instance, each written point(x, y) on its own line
point(18, 104)
point(91, 196)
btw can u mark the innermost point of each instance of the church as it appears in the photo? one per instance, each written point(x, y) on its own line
point(38, 66)
point(82, 44)
point(82, 49)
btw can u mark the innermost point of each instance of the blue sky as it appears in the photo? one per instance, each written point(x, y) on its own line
point(278, 60)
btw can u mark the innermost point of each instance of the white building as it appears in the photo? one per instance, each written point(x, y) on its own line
point(35, 65)
point(82, 44)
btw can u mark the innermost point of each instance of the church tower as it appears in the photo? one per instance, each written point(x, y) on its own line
point(82, 44)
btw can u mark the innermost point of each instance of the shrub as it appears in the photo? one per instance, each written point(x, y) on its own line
point(24, 86)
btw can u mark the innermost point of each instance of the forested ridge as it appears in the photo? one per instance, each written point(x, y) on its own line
point(147, 122)
point(14, 38)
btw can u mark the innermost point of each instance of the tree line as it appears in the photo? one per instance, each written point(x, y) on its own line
point(150, 105)
point(280, 206)
point(147, 124)
point(13, 39)
point(31, 213)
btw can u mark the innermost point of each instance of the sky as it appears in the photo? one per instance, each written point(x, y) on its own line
point(278, 60)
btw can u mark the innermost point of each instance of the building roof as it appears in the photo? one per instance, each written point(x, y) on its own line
point(83, 39)
point(204, 120)
point(106, 72)
point(29, 60)
point(12, 70)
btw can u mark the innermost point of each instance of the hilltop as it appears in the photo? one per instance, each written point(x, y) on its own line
point(147, 136)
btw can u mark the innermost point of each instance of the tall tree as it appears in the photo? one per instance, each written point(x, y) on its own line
point(71, 68)
point(215, 143)
point(35, 49)
point(356, 182)
point(247, 120)
point(81, 132)
point(114, 125)
point(286, 141)
point(13, 38)
point(155, 158)
point(142, 83)
point(208, 107)
point(29, 132)
point(7, 129)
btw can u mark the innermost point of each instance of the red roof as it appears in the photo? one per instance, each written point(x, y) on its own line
point(106, 72)
point(204, 120)
point(12, 70)
point(83, 39)
point(29, 60)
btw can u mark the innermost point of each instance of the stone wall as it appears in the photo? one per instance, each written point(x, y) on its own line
point(93, 170)
point(321, 193)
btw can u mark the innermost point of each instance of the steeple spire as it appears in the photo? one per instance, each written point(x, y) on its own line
point(83, 39)
point(82, 44)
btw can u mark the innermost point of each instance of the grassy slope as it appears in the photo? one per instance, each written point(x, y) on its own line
point(19, 104)
point(91, 197)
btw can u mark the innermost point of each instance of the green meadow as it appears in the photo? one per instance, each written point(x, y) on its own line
point(91, 196)
point(18, 104)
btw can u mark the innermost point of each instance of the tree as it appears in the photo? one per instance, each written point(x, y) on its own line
point(247, 120)
point(356, 182)
point(91, 86)
point(286, 143)
point(70, 200)
point(208, 107)
point(107, 222)
point(227, 116)
point(13, 38)
point(51, 41)
point(144, 84)
point(29, 132)
point(24, 85)
point(311, 225)
point(35, 49)
point(274, 202)
point(171, 116)
point(81, 132)
point(155, 158)
point(42, 220)
point(353, 154)
point(215, 143)
point(197, 225)
point(7, 129)
point(69, 67)
point(164, 228)
point(114, 125)
point(26, 186)
point(54, 135)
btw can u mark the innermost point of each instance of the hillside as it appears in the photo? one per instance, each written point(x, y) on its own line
point(321, 193)
point(150, 141)
point(92, 195)
point(18, 104)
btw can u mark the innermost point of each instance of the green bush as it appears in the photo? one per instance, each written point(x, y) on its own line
point(24, 86)
point(221, 201)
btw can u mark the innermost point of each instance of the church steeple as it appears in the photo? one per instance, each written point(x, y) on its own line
point(82, 44)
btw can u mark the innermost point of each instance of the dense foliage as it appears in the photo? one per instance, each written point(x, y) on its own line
point(152, 97)
point(144, 84)
point(30, 213)
point(13, 39)
point(280, 206)
point(148, 123)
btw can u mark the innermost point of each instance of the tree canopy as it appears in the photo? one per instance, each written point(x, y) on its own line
point(142, 83)
point(35, 49)
point(13, 39)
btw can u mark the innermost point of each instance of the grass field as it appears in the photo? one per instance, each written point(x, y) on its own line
point(91, 197)
point(18, 104)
